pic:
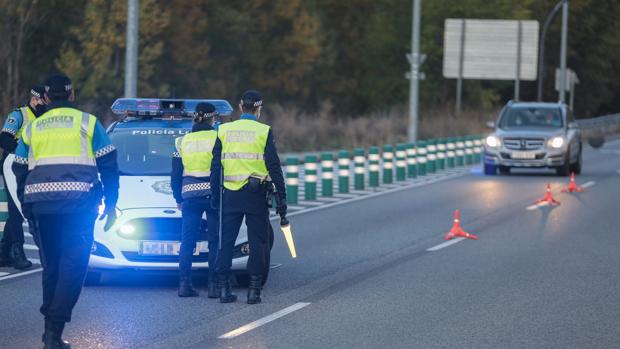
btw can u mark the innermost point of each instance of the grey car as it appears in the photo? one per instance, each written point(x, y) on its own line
point(534, 135)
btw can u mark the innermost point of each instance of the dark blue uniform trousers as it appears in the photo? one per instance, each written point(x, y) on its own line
point(193, 210)
point(65, 241)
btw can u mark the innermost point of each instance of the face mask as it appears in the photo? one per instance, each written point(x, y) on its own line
point(39, 109)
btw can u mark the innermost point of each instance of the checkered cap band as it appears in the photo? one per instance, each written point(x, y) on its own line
point(56, 187)
point(196, 186)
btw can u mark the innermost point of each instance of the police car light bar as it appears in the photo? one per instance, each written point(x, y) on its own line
point(153, 107)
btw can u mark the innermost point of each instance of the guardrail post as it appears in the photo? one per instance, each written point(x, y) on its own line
point(431, 156)
point(388, 164)
point(460, 152)
point(441, 154)
point(373, 167)
point(292, 180)
point(412, 170)
point(450, 154)
point(421, 146)
point(327, 174)
point(344, 171)
point(310, 167)
point(360, 168)
point(401, 162)
point(469, 151)
point(477, 149)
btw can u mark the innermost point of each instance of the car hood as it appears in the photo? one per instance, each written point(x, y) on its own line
point(529, 133)
point(145, 192)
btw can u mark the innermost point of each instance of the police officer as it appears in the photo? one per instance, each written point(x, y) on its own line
point(12, 244)
point(191, 171)
point(247, 153)
point(58, 163)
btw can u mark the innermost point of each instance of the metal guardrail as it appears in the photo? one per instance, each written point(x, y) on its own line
point(599, 122)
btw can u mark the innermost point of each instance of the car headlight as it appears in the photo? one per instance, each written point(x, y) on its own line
point(556, 142)
point(127, 229)
point(493, 141)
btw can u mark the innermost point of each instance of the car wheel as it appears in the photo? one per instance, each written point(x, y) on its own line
point(564, 170)
point(504, 169)
point(490, 169)
point(576, 167)
point(92, 279)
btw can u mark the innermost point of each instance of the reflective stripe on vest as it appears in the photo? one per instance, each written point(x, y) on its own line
point(243, 151)
point(27, 117)
point(196, 150)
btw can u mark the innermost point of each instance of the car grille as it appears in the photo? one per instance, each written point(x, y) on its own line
point(523, 143)
point(158, 228)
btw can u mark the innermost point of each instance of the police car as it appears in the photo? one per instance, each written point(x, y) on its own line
point(147, 233)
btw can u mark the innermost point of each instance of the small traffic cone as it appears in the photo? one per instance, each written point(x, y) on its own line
point(572, 186)
point(548, 198)
point(457, 231)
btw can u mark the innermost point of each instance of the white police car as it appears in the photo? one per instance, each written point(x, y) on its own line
point(147, 233)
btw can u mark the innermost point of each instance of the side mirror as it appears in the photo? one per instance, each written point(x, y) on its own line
point(490, 124)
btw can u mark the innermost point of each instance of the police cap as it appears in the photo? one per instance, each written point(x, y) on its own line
point(37, 91)
point(58, 86)
point(206, 110)
point(251, 99)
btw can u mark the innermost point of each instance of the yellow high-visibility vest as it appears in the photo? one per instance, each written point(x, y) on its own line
point(243, 151)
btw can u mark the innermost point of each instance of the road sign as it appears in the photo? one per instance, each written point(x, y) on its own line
point(571, 79)
point(489, 49)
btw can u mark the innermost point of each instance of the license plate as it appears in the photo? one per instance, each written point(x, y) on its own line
point(162, 248)
point(526, 155)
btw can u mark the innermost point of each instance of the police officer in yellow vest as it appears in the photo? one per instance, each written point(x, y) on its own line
point(12, 244)
point(191, 172)
point(64, 164)
point(247, 153)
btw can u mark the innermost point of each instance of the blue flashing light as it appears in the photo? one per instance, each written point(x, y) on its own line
point(153, 107)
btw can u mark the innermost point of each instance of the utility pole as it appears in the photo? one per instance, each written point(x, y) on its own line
point(563, 52)
point(131, 49)
point(541, 51)
point(414, 76)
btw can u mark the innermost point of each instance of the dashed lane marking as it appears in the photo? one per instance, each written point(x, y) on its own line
point(263, 321)
point(535, 206)
point(3, 273)
point(328, 199)
point(11, 276)
point(35, 261)
point(445, 244)
point(588, 184)
point(310, 203)
point(31, 247)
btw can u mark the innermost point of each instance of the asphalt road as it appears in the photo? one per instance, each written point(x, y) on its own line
point(546, 277)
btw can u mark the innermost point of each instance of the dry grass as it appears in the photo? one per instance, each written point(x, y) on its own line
point(297, 130)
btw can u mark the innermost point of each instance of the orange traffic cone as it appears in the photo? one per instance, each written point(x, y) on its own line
point(548, 198)
point(457, 231)
point(572, 186)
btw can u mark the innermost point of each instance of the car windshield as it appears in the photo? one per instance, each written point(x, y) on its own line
point(145, 152)
point(531, 118)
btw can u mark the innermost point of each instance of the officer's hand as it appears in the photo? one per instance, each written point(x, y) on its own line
point(281, 208)
point(214, 202)
point(111, 218)
point(179, 206)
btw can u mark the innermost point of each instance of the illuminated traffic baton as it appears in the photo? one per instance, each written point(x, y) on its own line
point(388, 164)
point(360, 167)
point(292, 179)
point(373, 167)
point(401, 163)
point(310, 168)
point(327, 174)
point(412, 161)
point(285, 226)
point(421, 146)
point(344, 165)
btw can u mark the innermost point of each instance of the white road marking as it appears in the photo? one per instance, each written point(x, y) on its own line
point(28, 235)
point(309, 203)
point(535, 206)
point(328, 199)
point(3, 273)
point(619, 171)
point(263, 321)
point(11, 276)
point(293, 207)
point(31, 247)
point(445, 244)
point(588, 184)
point(35, 261)
point(344, 195)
